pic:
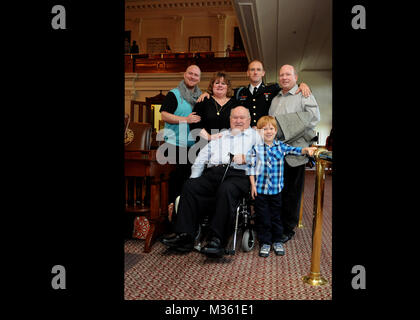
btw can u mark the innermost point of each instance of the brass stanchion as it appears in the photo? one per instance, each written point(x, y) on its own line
point(300, 224)
point(315, 278)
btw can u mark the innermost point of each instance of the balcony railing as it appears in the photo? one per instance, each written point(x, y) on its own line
point(179, 61)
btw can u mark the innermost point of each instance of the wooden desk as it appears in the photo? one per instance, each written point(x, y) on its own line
point(144, 164)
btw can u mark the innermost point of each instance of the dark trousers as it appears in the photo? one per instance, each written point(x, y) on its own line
point(205, 195)
point(268, 211)
point(294, 179)
point(181, 173)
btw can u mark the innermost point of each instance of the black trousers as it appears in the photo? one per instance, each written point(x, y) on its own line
point(294, 179)
point(268, 213)
point(205, 195)
point(181, 173)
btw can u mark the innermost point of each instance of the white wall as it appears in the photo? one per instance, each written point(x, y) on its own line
point(320, 83)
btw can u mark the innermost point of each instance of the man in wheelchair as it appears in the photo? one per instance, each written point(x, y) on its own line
point(215, 187)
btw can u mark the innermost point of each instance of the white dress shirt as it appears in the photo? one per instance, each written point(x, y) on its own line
point(216, 152)
point(251, 87)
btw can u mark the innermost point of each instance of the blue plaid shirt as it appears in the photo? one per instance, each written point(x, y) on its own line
point(267, 163)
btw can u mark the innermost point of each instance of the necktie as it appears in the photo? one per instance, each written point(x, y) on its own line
point(255, 91)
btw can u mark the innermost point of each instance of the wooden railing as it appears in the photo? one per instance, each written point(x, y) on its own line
point(179, 61)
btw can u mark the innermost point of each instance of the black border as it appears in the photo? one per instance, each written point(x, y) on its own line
point(72, 165)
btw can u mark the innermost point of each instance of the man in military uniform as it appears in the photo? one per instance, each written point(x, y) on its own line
point(257, 95)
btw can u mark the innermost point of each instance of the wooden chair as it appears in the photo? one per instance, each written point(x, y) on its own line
point(140, 142)
point(138, 136)
point(143, 111)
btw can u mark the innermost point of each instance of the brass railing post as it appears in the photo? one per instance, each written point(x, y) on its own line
point(315, 278)
point(300, 224)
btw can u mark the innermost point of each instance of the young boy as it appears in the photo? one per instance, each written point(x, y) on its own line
point(265, 169)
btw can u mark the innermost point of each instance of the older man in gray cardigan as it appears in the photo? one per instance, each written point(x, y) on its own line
point(297, 117)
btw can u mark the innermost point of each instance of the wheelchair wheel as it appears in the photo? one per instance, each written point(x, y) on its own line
point(248, 240)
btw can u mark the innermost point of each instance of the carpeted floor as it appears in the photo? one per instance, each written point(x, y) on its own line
point(164, 275)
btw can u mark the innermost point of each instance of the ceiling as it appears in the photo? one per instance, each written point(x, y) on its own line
point(296, 32)
point(299, 34)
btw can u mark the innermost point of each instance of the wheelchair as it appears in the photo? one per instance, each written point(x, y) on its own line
point(244, 225)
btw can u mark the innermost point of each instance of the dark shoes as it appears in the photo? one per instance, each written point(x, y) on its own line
point(284, 238)
point(214, 248)
point(181, 242)
point(287, 236)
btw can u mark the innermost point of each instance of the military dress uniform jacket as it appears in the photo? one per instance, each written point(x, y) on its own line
point(259, 104)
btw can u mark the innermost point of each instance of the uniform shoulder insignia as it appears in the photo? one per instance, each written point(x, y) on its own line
point(238, 92)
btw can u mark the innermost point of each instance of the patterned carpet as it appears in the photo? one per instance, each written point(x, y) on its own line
point(164, 275)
